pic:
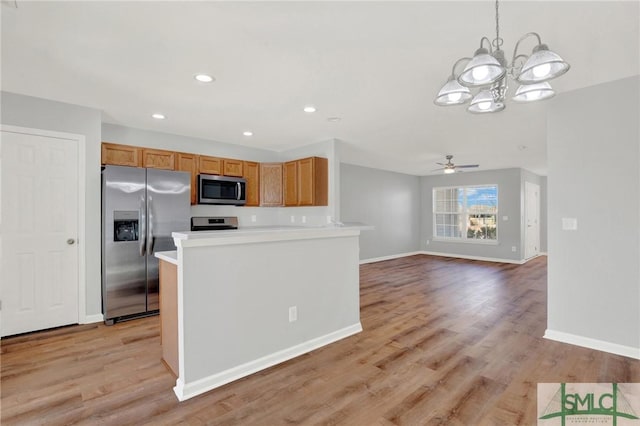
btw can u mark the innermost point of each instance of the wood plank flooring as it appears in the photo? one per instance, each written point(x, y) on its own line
point(445, 341)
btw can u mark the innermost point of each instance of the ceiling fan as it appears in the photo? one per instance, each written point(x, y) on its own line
point(449, 167)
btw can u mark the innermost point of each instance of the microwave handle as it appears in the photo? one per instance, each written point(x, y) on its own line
point(239, 191)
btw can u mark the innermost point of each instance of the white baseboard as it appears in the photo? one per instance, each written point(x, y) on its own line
point(464, 256)
point(393, 256)
point(89, 319)
point(185, 391)
point(587, 342)
point(435, 253)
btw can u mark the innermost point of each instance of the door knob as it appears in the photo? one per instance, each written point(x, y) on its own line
point(70, 241)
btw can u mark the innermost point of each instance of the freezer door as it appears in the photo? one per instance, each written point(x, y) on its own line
point(123, 243)
point(168, 210)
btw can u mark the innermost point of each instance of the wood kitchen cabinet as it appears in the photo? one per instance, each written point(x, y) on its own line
point(189, 163)
point(210, 165)
point(121, 155)
point(158, 159)
point(291, 183)
point(232, 167)
point(251, 173)
point(306, 182)
point(271, 184)
point(169, 314)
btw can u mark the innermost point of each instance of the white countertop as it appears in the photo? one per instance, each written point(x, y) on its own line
point(252, 234)
point(169, 256)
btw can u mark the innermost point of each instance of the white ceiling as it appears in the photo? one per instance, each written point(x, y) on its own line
point(377, 65)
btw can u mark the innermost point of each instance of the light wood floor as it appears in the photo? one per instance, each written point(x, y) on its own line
point(445, 341)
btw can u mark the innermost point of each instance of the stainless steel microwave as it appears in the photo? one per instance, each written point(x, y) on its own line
point(227, 190)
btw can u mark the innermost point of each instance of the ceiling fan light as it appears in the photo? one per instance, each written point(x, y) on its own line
point(534, 92)
point(449, 170)
point(483, 102)
point(452, 93)
point(542, 65)
point(483, 69)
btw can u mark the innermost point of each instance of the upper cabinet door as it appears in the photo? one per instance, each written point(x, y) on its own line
point(251, 172)
point(306, 182)
point(189, 163)
point(121, 155)
point(291, 183)
point(158, 159)
point(233, 168)
point(210, 165)
point(271, 184)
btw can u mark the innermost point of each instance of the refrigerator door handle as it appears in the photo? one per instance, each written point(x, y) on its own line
point(143, 228)
point(151, 239)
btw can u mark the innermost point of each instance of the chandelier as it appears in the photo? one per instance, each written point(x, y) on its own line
point(488, 71)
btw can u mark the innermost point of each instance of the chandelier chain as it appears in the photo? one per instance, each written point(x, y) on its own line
point(497, 42)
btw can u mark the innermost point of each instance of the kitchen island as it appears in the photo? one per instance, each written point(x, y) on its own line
point(251, 298)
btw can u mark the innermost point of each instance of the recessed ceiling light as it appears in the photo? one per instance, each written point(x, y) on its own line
point(158, 116)
point(334, 119)
point(247, 133)
point(522, 147)
point(204, 78)
point(309, 108)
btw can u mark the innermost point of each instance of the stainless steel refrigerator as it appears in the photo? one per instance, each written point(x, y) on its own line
point(140, 210)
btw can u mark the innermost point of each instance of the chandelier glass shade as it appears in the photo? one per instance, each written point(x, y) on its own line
point(533, 92)
point(453, 93)
point(488, 71)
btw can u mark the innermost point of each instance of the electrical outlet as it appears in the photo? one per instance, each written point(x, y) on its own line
point(328, 219)
point(304, 219)
point(427, 242)
point(513, 249)
point(293, 219)
point(293, 313)
point(253, 218)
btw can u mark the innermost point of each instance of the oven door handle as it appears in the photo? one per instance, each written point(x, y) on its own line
point(142, 237)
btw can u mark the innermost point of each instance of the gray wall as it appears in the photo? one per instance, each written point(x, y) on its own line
point(151, 139)
point(26, 111)
point(593, 149)
point(387, 200)
point(509, 183)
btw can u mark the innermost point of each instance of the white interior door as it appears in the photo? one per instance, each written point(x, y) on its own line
point(532, 220)
point(39, 232)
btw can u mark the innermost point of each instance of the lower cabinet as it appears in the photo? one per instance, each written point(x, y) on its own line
point(169, 314)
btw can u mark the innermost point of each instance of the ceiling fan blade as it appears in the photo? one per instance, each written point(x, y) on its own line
point(435, 170)
point(442, 164)
point(468, 165)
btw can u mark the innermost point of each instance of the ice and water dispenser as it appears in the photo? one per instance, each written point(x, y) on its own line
point(125, 225)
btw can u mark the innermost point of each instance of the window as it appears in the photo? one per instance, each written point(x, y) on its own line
point(466, 213)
